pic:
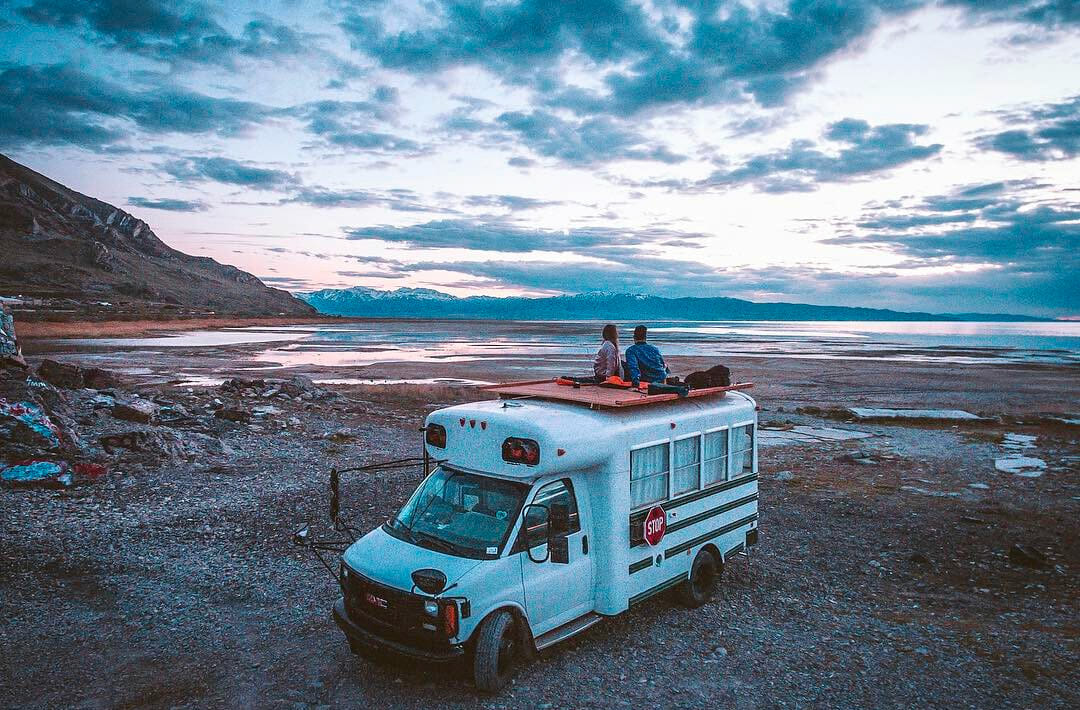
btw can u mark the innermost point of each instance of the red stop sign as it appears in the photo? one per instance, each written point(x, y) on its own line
point(655, 525)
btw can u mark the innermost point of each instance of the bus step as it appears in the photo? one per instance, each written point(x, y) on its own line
point(570, 628)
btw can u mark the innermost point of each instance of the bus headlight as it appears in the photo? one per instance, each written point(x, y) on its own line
point(431, 607)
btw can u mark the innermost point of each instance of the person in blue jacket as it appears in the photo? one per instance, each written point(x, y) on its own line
point(644, 360)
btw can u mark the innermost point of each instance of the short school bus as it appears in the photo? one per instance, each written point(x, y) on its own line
point(545, 516)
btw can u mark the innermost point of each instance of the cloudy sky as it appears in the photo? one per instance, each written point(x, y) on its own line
point(908, 154)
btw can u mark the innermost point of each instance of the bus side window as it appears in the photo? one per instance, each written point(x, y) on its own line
point(742, 450)
point(715, 458)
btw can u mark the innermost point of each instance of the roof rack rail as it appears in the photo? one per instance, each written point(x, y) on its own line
point(596, 396)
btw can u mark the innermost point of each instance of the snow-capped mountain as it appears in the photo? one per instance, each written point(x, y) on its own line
point(426, 303)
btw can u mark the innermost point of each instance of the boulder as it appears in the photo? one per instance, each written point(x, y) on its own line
point(26, 424)
point(233, 414)
point(299, 385)
point(67, 376)
point(9, 345)
point(39, 473)
point(135, 410)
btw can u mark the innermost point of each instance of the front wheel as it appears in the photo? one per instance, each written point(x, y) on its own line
point(497, 651)
point(701, 585)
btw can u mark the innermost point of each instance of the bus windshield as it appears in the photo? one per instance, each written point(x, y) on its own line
point(461, 514)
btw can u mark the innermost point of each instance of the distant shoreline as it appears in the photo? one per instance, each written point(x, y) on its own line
point(136, 328)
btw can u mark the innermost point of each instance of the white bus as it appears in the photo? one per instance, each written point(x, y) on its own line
point(544, 516)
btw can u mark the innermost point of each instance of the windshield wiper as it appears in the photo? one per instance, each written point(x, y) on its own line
point(434, 542)
point(404, 529)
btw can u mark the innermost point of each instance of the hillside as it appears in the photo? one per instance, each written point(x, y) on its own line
point(62, 248)
point(426, 303)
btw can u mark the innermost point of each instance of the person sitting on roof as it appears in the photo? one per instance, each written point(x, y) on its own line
point(644, 360)
point(606, 362)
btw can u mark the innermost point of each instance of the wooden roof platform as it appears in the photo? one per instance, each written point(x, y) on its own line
point(596, 396)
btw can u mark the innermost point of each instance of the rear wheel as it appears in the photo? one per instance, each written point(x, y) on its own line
point(497, 652)
point(701, 585)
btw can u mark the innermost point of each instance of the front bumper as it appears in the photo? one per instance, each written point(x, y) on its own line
point(374, 642)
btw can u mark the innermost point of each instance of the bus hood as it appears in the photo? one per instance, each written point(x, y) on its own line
point(383, 558)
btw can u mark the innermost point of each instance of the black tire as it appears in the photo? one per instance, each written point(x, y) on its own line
point(356, 648)
point(701, 585)
point(497, 652)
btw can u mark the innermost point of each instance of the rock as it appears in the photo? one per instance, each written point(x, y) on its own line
point(136, 410)
point(858, 458)
point(37, 474)
point(233, 414)
point(1028, 557)
point(921, 559)
point(67, 376)
point(10, 354)
point(155, 445)
point(979, 486)
point(299, 385)
point(26, 423)
point(785, 476)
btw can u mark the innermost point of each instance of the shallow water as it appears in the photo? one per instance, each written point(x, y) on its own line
point(555, 343)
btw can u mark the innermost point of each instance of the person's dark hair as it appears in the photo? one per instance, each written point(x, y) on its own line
point(639, 333)
point(610, 332)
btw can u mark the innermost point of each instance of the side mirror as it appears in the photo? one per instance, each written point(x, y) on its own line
point(535, 522)
point(302, 537)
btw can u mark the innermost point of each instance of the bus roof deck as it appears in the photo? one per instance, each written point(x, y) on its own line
point(596, 396)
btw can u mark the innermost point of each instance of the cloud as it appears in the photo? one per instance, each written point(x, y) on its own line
point(514, 203)
point(169, 205)
point(167, 31)
point(509, 39)
point(397, 200)
point(503, 237)
point(1049, 132)
point(353, 124)
point(1038, 19)
point(1023, 240)
point(58, 104)
point(651, 55)
point(372, 274)
point(228, 172)
point(862, 150)
point(574, 142)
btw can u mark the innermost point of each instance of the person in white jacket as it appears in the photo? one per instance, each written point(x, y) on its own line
point(606, 363)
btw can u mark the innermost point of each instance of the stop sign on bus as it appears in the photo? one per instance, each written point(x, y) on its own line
point(655, 525)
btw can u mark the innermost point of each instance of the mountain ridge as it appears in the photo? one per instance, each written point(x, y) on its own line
point(65, 246)
point(361, 301)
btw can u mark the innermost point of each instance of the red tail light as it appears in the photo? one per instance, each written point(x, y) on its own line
point(450, 619)
point(526, 451)
point(435, 434)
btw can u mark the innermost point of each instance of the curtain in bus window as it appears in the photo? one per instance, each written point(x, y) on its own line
point(648, 475)
point(687, 465)
point(715, 469)
point(742, 450)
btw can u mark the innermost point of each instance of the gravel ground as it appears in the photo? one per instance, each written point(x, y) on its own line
point(176, 585)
